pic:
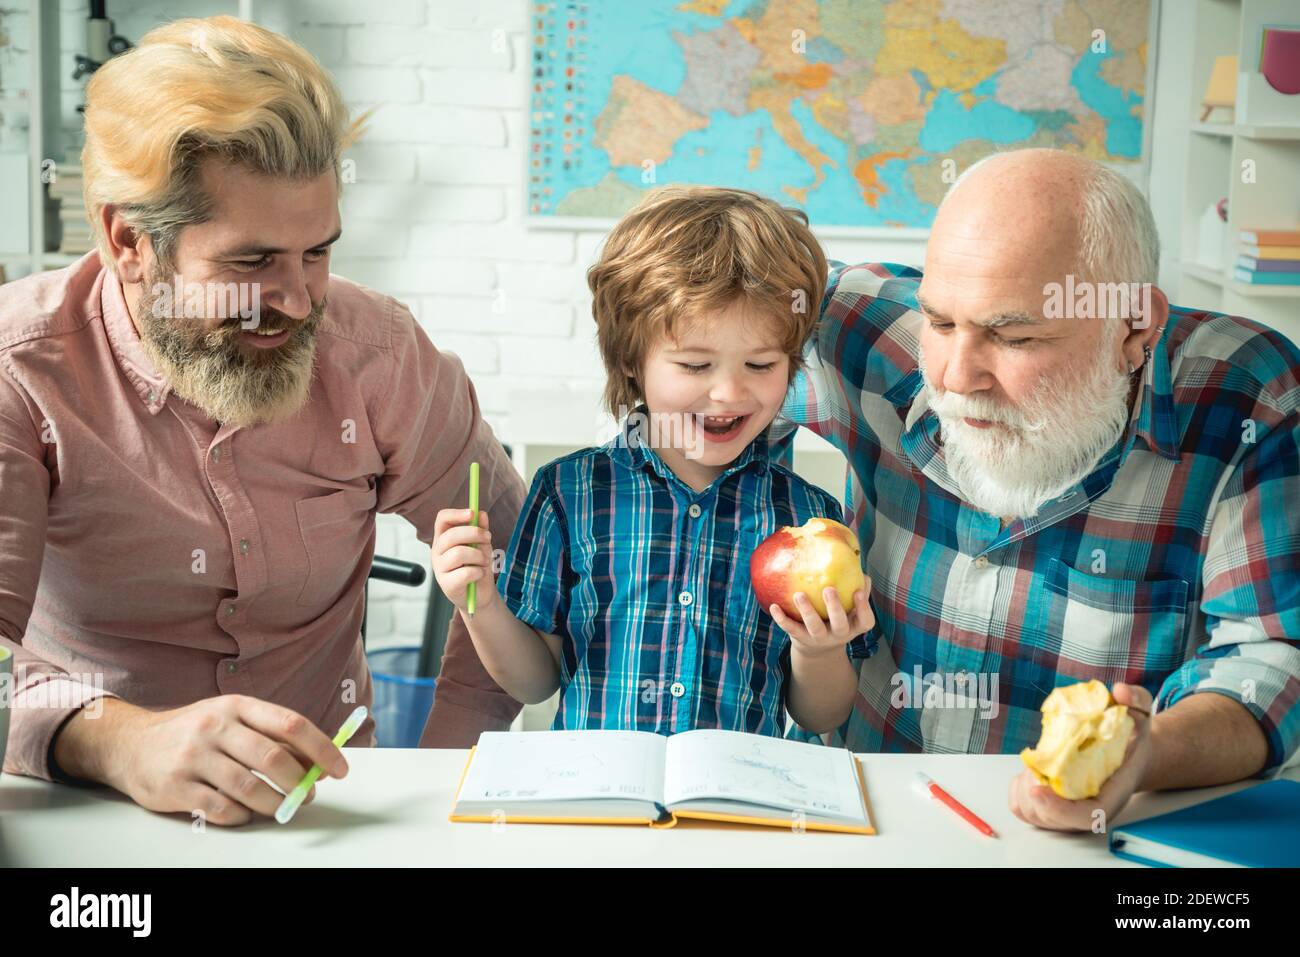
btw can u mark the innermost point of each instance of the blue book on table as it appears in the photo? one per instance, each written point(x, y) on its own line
point(1256, 827)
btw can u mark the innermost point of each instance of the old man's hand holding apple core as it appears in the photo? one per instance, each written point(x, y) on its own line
point(813, 574)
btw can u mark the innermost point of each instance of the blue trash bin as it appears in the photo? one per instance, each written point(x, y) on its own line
point(402, 700)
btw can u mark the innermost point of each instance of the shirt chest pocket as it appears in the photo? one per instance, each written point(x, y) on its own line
point(336, 530)
point(1110, 628)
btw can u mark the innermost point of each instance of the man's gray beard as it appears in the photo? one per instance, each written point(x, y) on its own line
point(1056, 440)
point(210, 369)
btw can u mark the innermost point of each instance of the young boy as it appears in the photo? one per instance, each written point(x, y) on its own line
point(626, 582)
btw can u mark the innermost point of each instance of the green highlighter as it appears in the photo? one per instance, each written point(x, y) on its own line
point(293, 800)
point(471, 593)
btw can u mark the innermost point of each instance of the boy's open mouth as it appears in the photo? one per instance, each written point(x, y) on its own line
point(722, 428)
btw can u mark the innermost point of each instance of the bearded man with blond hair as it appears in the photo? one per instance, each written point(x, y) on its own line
point(198, 423)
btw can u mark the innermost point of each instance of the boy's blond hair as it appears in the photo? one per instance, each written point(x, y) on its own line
point(688, 250)
point(198, 88)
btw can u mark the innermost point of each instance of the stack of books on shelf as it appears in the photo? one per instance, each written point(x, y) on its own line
point(1269, 257)
point(65, 186)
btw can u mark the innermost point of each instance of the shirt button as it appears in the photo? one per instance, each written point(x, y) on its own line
point(230, 609)
point(216, 454)
point(243, 546)
point(685, 598)
point(677, 689)
point(982, 562)
point(230, 668)
point(694, 511)
point(151, 395)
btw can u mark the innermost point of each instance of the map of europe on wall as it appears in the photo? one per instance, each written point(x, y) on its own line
point(861, 112)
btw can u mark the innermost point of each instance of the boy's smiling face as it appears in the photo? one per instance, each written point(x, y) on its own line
point(722, 381)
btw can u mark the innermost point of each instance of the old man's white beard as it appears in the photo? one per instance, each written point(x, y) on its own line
point(1054, 441)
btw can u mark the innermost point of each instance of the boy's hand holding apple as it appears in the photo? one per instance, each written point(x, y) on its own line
point(811, 582)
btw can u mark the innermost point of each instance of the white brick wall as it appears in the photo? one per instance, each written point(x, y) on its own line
point(434, 217)
point(434, 214)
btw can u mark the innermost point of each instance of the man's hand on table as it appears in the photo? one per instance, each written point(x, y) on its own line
point(1037, 804)
point(199, 757)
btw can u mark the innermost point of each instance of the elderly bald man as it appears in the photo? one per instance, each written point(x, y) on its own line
point(1057, 476)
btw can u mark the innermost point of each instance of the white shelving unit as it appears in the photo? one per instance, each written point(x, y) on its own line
point(46, 137)
point(1252, 160)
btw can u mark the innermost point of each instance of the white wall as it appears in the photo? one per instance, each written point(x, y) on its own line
point(434, 217)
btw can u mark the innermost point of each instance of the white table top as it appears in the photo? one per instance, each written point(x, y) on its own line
point(391, 810)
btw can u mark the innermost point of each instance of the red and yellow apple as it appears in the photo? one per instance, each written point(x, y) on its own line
point(819, 554)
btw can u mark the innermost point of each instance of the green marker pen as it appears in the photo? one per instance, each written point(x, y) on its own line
point(293, 800)
point(471, 593)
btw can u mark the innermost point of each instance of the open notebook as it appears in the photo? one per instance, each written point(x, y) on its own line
point(637, 777)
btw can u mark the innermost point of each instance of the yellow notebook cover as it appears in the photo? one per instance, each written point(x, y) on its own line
point(673, 817)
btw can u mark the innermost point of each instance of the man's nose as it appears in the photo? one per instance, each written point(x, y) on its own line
point(285, 289)
point(966, 369)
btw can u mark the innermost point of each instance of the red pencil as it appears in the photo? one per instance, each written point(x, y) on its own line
point(935, 791)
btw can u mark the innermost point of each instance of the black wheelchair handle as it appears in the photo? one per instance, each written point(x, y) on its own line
point(397, 571)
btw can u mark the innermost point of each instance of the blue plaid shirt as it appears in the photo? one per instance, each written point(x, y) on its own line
point(1174, 565)
point(646, 582)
